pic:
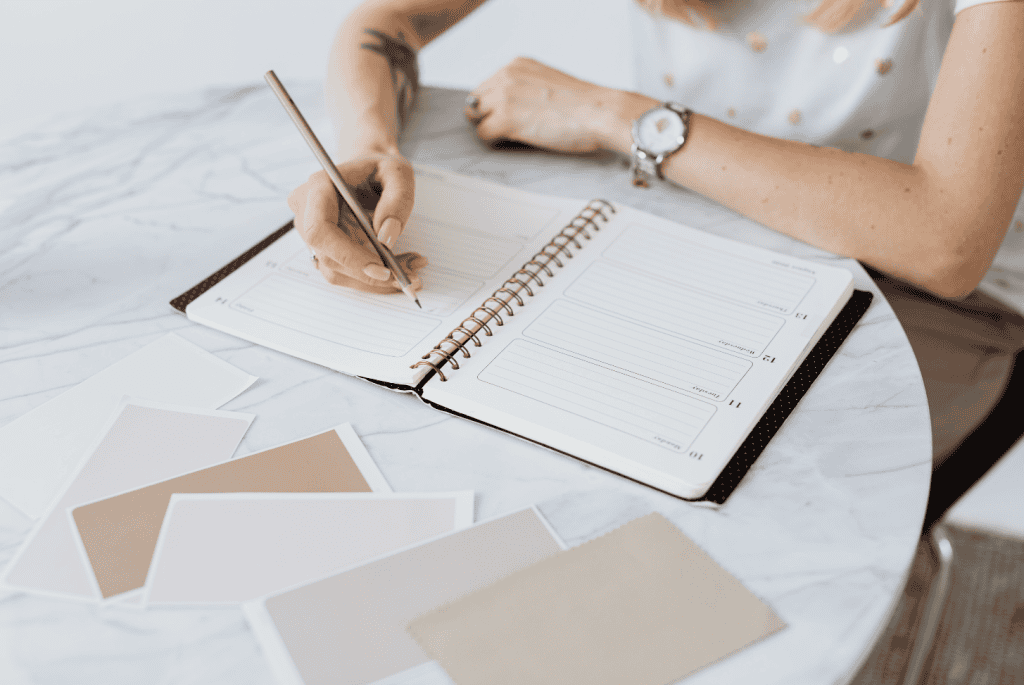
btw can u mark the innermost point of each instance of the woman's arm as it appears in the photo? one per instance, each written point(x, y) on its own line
point(936, 223)
point(372, 75)
point(372, 82)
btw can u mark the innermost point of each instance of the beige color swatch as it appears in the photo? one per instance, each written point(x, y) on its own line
point(349, 629)
point(641, 605)
point(119, 534)
point(143, 442)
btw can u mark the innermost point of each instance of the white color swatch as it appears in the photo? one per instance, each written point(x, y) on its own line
point(233, 547)
point(40, 450)
point(144, 442)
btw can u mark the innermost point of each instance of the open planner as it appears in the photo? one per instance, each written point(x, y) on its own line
point(636, 344)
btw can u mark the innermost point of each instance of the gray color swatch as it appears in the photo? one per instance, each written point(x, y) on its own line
point(350, 628)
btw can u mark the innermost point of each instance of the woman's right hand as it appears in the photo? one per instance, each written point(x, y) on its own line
point(384, 185)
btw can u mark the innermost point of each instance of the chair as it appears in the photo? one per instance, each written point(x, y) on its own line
point(992, 507)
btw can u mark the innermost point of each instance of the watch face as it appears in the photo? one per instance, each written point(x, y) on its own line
point(660, 130)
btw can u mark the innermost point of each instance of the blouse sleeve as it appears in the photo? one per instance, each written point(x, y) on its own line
point(961, 5)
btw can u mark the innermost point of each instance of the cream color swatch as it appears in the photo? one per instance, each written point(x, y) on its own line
point(233, 547)
point(349, 629)
point(641, 605)
point(119, 533)
point(144, 442)
point(40, 451)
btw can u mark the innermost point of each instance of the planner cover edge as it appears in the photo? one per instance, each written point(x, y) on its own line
point(186, 298)
point(787, 399)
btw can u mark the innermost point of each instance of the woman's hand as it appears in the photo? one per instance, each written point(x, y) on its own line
point(529, 102)
point(383, 185)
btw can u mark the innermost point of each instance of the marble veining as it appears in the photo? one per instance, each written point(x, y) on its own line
point(106, 216)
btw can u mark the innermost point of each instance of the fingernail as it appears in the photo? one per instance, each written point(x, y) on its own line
point(377, 272)
point(389, 231)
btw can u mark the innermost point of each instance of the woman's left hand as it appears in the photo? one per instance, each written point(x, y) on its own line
point(529, 102)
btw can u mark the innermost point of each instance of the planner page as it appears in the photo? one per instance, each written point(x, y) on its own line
point(652, 353)
point(475, 234)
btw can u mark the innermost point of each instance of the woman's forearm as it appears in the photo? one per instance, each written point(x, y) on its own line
point(866, 207)
point(372, 73)
point(372, 81)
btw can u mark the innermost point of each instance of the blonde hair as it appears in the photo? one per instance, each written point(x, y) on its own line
point(829, 16)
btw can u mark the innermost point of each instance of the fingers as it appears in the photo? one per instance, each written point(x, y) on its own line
point(396, 200)
point(336, 238)
point(384, 185)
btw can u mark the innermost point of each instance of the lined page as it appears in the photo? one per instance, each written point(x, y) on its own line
point(648, 354)
point(683, 310)
point(596, 391)
point(672, 256)
point(443, 291)
point(481, 255)
point(652, 353)
point(356, 321)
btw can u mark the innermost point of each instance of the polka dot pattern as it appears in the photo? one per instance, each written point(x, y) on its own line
point(758, 43)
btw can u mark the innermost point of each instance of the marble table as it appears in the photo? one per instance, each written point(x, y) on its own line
point(106, 216)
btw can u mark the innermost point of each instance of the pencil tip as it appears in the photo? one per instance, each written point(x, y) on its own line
point(417, 301)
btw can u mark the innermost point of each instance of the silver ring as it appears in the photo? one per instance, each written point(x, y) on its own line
point(472, 101)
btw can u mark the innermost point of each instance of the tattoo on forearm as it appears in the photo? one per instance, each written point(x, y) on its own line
point(429, 25)
point(405, 74)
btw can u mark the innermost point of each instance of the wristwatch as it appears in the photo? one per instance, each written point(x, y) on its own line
point(658, 133)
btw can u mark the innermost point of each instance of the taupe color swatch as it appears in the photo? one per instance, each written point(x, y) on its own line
point(350, 628)
point(120, 533)
point(641, 605)
point(142, 444)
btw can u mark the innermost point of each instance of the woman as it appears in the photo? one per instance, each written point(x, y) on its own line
point(829, 120)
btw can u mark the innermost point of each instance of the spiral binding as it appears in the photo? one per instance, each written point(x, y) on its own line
point(500, 301)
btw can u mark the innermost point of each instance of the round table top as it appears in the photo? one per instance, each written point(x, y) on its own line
point(105, 216)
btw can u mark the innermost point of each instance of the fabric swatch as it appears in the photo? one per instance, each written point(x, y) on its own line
point(233, 547)
point(641, 605)
point(41, 450)
point(349, 629)
point(119, 533)
point(144, 443)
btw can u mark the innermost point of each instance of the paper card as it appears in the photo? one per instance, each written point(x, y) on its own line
point(118, 534)
point(640, 605)
point(349, 628)
point(144, 442)
point(42, 449)
point(230, 548)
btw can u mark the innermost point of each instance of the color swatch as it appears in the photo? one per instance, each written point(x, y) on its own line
point(119, 534)
point(41, 450)
point(235, 547)
point(641, 605)
point(144, 442)
point(350, 628)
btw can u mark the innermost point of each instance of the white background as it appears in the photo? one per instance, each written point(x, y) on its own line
point(60, 56)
